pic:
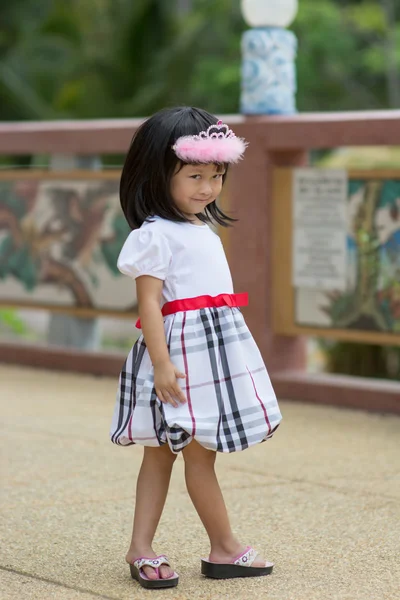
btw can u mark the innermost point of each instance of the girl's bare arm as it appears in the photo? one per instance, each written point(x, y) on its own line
point(149, 291)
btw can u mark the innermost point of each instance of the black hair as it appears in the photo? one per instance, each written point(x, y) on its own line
point(151, 163)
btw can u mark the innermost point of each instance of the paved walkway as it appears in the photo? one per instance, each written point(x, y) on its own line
point(321, 500)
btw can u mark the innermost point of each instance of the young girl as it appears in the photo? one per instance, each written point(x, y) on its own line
point(194, 382)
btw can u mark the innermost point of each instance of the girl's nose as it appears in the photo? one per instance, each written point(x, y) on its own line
point(206, 189)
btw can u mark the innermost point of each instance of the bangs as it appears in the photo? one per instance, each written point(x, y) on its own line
point(219, 167)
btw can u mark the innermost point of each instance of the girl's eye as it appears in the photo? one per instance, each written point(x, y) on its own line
point(218, 176)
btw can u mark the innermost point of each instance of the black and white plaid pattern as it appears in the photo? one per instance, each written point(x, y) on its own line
point(231, 403)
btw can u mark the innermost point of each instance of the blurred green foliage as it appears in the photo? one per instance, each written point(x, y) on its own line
point(11, 322)
point(363, 360)
point(118, 58)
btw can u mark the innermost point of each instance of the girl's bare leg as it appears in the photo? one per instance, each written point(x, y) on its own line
point(206, 495)
point(151, 493)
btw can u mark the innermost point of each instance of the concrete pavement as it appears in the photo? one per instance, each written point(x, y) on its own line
point(321, 500)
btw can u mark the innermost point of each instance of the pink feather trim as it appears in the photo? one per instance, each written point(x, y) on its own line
point(209, 150)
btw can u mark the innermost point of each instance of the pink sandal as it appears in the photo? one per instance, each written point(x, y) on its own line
point(138, 574)
point(239, 567)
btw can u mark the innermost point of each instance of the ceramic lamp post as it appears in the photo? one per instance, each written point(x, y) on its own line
point(269, 53)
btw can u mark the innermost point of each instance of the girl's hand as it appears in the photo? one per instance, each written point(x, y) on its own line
point(166, 385)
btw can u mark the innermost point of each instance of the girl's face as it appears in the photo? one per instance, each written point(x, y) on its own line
point(193, 187)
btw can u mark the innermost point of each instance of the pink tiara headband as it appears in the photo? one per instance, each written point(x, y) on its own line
point(216, 145)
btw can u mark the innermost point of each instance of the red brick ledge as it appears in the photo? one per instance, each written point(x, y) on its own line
point(302, 130)
point(57, 358)
point(376, 395)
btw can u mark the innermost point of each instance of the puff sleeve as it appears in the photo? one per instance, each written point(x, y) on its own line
point(145, 253)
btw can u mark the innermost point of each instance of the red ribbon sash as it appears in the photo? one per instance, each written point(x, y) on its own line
point(231, 300)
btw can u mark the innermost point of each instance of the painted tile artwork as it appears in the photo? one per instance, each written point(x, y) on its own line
point(59, 243)
point(371, 298)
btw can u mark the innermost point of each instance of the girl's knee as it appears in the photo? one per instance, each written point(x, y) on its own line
point(194, 453)
point(161, 454)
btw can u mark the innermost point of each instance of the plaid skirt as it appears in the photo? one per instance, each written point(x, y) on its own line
point(231, 404)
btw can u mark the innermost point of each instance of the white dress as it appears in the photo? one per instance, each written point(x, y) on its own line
point(231, 404)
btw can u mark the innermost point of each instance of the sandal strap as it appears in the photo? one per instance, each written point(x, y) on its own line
point(155, 563)
point(247, 558)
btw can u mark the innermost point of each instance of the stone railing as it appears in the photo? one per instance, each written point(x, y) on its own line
point(277, 141)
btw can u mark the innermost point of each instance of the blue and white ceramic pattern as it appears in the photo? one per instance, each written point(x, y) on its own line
point(268, 71)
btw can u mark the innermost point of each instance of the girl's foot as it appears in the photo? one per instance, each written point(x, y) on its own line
point(134, 554)
point(226, 565)
point(227, 555)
